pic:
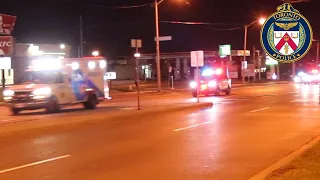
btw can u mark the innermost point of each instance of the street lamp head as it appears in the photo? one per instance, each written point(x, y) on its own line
point(95, 53)
point(62, 46)
point(262, 20)
point(137, 55)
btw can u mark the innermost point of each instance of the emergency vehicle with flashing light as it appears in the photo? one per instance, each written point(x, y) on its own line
point(52, 83)
point(308, 78)
point(212, 81)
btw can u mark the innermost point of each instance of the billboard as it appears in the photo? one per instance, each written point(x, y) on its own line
point(6, 45)
point(7, 23)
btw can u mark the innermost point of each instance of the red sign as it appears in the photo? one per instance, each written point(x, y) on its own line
point(6, 45)
point(6, 24)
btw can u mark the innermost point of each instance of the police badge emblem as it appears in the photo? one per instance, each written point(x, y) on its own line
point(286, 36)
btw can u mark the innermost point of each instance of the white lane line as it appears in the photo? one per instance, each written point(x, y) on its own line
point(33, 164)
point(295, 101)
point(260, 109)
point(193, 126)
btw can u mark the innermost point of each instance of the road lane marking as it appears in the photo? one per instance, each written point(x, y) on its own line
point(33, 164)
point(295, 101)
point(260, 109)
point(189, 127)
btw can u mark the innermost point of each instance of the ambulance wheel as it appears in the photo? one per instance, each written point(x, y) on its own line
point(92, 102)
point(15, 111)
point(228, 91)
point(52, 105)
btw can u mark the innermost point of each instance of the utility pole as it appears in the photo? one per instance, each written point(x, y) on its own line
point(318, 49)
point(81, 37)
point(244, 52)
point(156, 4)
point(254, 62)
point(293, 69)
point(259, 64)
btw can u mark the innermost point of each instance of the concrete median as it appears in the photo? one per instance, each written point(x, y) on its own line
point(32, 125)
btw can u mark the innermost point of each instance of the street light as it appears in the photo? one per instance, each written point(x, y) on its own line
point(95, 53)
point(261, 22)
point(156, 4)
point(137, 55)
point(62, 46)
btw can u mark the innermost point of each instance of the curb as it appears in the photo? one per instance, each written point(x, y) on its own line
point(54, 122)
point(286, 159)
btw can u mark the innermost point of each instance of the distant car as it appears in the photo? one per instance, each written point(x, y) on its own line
point(212, 82)
point(308, 78)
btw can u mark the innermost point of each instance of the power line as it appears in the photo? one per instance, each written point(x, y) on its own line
point(205, 23)
point(124, 7)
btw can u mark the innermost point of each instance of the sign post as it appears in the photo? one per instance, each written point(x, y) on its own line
point(137, 43)
point(197, 60)
point(170, 77)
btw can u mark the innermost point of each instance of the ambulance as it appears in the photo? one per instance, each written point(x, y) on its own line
point(53, 83)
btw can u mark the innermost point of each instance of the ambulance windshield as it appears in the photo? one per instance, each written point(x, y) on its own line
point(43, 77)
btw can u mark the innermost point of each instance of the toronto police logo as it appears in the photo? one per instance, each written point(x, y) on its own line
point(287, 35)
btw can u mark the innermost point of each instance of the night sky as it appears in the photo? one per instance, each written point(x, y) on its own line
point(110, 30)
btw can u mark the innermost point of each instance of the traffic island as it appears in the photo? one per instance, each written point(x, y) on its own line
point(306, 166)
point(58, 121)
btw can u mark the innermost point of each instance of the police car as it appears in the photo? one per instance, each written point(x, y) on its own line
point(212, 81)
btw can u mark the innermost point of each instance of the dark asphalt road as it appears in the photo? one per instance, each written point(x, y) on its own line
point(241, 135)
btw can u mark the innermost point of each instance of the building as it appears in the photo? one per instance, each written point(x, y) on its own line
point(179, 63)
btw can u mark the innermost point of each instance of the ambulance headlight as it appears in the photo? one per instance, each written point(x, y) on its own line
point(193, 85)
point(42, 91)
point(75, 65)
point(212, 84)
point(91, 65)
point(102, 64)
point(8, 93)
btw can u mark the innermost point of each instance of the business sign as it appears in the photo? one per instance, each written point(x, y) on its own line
point(6, 45)
point(164, 38)
point(270, 61)
point(197, 58)
point(110, 76)
point(5, 62)
point(225, 50)
point(6, 24)
point(250, 70)
point(233, 71)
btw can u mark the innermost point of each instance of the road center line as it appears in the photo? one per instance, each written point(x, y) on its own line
point(193, 126)
point(260, 109)
point(33, 164)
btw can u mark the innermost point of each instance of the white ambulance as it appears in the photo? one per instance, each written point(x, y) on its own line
point(51, 83)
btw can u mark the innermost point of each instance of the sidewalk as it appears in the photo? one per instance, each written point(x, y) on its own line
point(306, 166)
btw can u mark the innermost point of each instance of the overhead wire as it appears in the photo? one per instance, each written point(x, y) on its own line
point(124, 7)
